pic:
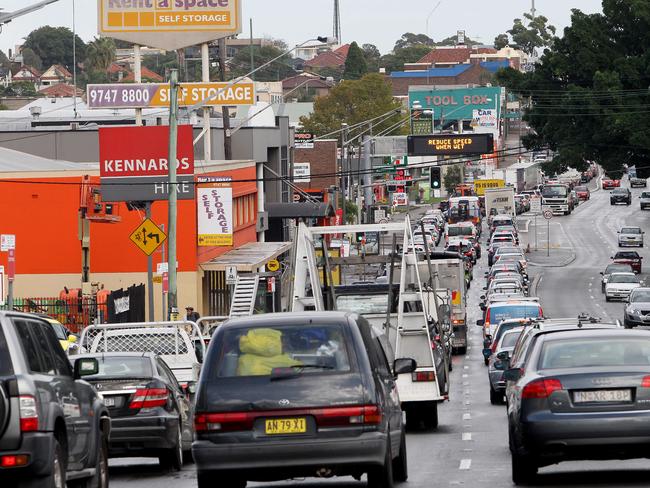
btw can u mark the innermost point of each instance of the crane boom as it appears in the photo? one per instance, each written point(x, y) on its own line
point(6, 17)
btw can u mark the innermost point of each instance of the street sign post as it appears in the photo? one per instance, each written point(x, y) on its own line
point(148, 237)
point(536, 209)
point(231, 275)
point(548, 215)
point(152, 95)
point(7, 241)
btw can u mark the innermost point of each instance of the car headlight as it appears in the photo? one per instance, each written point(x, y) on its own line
point(634, 312)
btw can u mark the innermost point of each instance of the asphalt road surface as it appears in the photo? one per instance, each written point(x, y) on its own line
point(470, 447)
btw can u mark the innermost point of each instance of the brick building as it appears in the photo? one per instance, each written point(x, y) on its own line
point(322, 160)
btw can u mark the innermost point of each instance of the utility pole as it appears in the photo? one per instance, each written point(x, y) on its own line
point(205, 77)
point(173, 195)
point(532, 10)
point(225, 113)
point(250, 46)
point(366, 169)
point(343, 183)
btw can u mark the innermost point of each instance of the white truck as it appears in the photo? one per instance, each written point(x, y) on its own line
point(405, 310)
point(500, 201)
point(179, 344)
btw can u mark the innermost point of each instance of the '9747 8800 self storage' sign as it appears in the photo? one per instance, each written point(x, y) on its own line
point(149, 22)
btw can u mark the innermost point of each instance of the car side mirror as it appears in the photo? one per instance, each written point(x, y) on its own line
point(85, 367)
point(602, 273)
point(503, 355)
point(189, 388)
point(482, 297)
point(512, 374)
point(618, 231)
point(404, 366)
point(480, 323)
point(483, 307)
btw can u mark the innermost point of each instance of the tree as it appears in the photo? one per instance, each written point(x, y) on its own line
point(54, 46)
point(589, 90)
point(4, 60)
point(409, 39)
point(538, 34)
point(395, 61)
point(453, 40)
point(24, 89)
point(501, 41)
point(372, 56)
point(452, 178)
point(30, 58)
point(355, 63)
point(100, 54)
point(352, 102)
point(276, 71)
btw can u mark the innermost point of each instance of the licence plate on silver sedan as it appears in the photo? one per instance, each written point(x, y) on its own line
point(602, 396)
point(109, 401)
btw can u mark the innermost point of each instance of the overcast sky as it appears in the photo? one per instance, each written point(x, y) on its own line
point(380, 22)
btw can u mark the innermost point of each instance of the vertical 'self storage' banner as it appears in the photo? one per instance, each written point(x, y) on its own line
point(215, 218)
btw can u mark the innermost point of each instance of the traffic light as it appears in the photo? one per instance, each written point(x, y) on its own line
point(436, 177)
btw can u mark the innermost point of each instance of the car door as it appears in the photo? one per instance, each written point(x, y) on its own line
point(389, 389)
point(181, 398)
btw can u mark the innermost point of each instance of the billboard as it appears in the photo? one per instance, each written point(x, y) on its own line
point(450, 144)
point(456, 104)
point(481, 185)
point(134, 166)
point(148, 95)
point(168, 24)
point(214, 214)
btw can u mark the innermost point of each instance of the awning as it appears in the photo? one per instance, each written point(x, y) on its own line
point(299, 210)
point(249, 257)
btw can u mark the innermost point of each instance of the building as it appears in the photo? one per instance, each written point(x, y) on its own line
point(459, 75)
point(27, 74)
point(55, 75)
point(49, 193)
point(329, 60)
point(306, 85)
point(310, 51)
point(5, 77)
point(61, 90)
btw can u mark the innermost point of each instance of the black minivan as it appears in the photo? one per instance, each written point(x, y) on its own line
point(309, 394)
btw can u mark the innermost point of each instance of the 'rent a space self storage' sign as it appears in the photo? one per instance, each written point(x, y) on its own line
point(150, 22)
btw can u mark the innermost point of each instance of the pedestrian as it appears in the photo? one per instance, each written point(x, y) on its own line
point(191, 315)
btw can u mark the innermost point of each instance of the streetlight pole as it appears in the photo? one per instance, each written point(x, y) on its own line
point(173, 195)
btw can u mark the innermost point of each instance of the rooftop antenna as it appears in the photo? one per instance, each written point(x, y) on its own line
point(337, 22)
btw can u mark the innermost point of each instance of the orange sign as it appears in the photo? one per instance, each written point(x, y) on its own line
point(149, 22)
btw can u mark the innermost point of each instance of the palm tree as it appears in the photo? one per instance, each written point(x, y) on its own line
point(100, 54)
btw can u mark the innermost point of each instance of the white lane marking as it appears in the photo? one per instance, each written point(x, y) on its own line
point(467, 436)
point(465, 375)
point(591, 296)
point(467, 416)
point(465, 367)
point(467, 357)
point(465, 383)
point(467, 402)
point(465, 464)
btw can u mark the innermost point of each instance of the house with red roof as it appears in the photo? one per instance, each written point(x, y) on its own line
point(147, 75)
point(61, 90)
point(329, 59)
point(54, 75)
point(27, 73)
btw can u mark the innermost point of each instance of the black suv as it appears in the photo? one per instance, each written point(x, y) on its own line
point(291, 395)
point(620, 195)
point(53, 425)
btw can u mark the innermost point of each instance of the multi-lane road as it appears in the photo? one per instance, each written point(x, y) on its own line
point(470, 447)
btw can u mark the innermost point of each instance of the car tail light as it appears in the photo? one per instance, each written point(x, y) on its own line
point(324, 417)
point(423, 376)
point(149, 398)
point(542, 388)
point(645, 382)
point(28, 413)
point(14, 461)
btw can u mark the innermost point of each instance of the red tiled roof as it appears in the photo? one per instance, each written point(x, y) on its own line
point(309, 81)
point(147, 74)
point(443, 55)
point(484, 50)
point(61, 90)
point(115, 68)
point(330, 59)
point(36, 73)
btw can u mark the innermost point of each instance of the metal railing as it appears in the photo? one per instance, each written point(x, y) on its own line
point(75, 313)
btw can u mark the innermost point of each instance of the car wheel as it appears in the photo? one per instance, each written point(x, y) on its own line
point(607, 299)
point(57, 478)
point(486, 361)
point(210, 479)
point(100, 477)
point(382, 476)
point(461, 351)
point(430, 416)
point(173, 458)
point(400, 463)
point(496, 398)
point(524, 469)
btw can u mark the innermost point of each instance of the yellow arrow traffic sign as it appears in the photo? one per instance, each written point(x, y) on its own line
point(148, 237)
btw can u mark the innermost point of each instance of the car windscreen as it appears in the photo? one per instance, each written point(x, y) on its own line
point(603, 351)
point(580, 188)
point(626, 255)
point(554, 191)
point(645, 194)
point(630, 230)
point(6, 368)
point(623, 278)
point(618, 268)
point(513, 311)
point(459, 231)
point(640, 296)
point(265, 351)
point(620, 191)
point(510, 339)
point(59, 330)
point(362, 304)
point(122, 367)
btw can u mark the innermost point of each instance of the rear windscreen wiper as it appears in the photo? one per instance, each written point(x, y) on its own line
point(295, 370)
